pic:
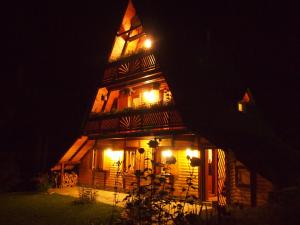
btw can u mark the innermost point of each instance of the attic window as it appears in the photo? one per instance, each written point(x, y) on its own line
point(241, 107)
point(244, 103)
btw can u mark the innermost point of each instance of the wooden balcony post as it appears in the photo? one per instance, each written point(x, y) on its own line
point(253, 187)
point(62, 171)
point(202, 175)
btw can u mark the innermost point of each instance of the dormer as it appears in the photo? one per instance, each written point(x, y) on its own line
point(245, 102)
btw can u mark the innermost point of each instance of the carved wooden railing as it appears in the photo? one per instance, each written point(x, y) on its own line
point(129, 67)
point(135, 121)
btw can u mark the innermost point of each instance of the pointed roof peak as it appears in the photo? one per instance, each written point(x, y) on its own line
point(131, 38)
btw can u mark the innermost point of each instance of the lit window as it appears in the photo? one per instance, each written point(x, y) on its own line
point(241, 107)
point(209, 156)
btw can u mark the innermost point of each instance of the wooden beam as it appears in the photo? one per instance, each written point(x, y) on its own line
point(136, 37)
point(205, 187)
point(201, 170)
point(72, 163)
point(215, 172)
point(73, 156)
point(131, 80)
point(253, 187)
point(141, 133)
point(127, 31)
point(62, 171)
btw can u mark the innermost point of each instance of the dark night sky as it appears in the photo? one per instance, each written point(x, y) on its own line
point(55, 52)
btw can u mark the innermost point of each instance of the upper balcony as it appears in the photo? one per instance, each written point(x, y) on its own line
point(130, 67)
point(150, 120)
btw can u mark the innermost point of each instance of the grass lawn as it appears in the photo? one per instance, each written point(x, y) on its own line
point(54, 209)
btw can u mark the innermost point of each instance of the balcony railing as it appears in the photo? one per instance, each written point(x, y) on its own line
point(165, 118)
point(129, 67)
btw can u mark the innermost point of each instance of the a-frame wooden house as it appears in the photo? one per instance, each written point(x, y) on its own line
point(134, 105)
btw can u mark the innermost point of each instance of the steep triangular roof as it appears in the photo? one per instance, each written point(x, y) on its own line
point(130, 38)
point(74, 154)
point(197, 53)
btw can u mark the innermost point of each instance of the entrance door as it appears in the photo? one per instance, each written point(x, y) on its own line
point(129, 166)
point(210, 172)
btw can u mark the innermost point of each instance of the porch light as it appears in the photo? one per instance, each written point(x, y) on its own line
point(151, 96)
point(148, 43)
point(192, 153)
point(114, 155)
point(166, 153)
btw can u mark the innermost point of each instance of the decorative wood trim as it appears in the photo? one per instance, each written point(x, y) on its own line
point(140, 133)
point(129, 67)
point(164, 118)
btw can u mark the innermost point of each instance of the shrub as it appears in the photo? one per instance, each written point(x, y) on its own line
point(151, 199)
point(86, 195)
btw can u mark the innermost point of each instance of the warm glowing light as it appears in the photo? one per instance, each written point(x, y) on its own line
point(192, 153)
point(114, 155)
point(240, 107)
point(166, 153)
point(209, 156)
point(151, 96)
point(148, 43)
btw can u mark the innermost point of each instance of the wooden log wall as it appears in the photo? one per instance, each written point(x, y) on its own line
point(112, 176)
point(100, 178)
point(184, 171)
point(85, 170)
point(242, 194)
point(264, 187)
point(104, 177)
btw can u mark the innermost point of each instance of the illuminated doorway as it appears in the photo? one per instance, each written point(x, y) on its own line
point(212, 176)
point(211, 167)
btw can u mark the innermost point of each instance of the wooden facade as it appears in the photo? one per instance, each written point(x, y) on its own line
point(245, 186)
point(134, 105)
point(98, 168)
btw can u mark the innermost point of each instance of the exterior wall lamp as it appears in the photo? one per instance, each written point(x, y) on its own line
point(148, 43)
